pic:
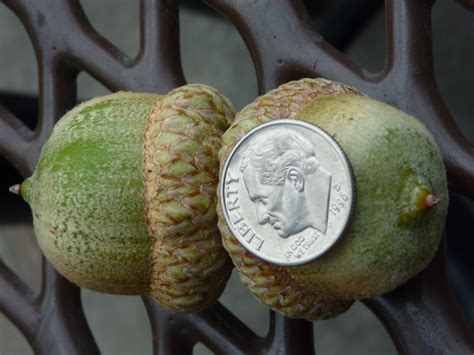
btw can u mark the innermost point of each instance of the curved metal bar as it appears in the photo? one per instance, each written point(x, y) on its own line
point(57, 96)
point(169, 334)
point(410, 84)
point(283, 45)
point(80, 43)
point(289, 336)
point(159, 55)
point(222, 331)
point(157, 67)
point(353, 15)
point(408, 41)
point(457, 151)
point(18, 302)
point(63, 328)
point(14, 137)
point(216, 327)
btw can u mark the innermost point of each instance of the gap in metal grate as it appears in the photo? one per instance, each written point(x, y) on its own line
point(369, 45)
point(201, 349)
point(360, 330)
point(238, 300)
point(356, 28)
point(119, 24)
point(16, 54)
point(119, 323)
point(20, 252)
point(13, 210)
point(18, 247)
point(88, 87)
point(213, 53)
point(12, 341)
point(453, 28)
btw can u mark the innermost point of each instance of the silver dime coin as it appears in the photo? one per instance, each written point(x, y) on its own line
point(287, 192)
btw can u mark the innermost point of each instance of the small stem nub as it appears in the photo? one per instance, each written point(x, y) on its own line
point(431, 200)
point(15, 189)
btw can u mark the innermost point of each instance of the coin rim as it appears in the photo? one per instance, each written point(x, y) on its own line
point(343, 157)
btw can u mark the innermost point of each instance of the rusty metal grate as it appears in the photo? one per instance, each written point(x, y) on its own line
point(421, 316)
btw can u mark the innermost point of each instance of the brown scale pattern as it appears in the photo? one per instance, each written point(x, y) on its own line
point(271, 284)
point(189, 266)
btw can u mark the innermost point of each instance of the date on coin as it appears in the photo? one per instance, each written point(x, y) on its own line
point(287, 192)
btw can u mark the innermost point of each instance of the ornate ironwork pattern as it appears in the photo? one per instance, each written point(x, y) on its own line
point(421, 316)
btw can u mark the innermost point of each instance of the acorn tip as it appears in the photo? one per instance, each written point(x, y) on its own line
point(15, 189)
point(431, 200)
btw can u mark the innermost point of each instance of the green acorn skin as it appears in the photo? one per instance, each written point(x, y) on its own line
point(400, 201)
point(93, 194)
point(86, 195)
point(402, 198)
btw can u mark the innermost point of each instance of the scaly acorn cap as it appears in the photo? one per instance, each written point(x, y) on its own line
point(400, 208)
point(123, 196)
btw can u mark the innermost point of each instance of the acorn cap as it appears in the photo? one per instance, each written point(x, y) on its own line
point(189, 267)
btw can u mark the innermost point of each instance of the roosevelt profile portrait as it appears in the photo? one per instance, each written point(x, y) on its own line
point(286, 183)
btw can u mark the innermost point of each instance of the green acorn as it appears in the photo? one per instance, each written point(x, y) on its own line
point(400, 206)
point(124, 196)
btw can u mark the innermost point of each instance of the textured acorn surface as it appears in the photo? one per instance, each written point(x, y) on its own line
point(392, 234)
point(274, 286)
point(123, 196)
point(189, 265)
